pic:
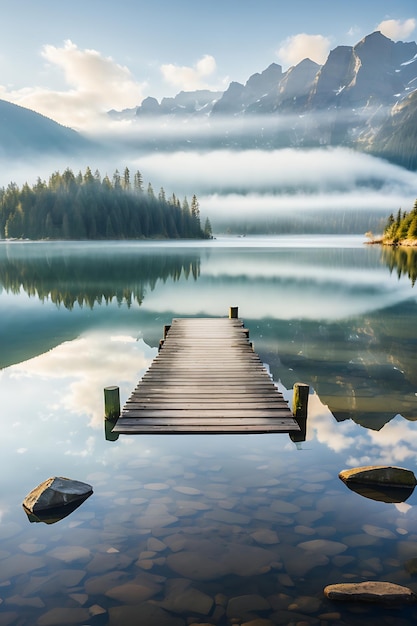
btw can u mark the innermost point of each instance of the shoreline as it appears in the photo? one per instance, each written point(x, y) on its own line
point(405, 243)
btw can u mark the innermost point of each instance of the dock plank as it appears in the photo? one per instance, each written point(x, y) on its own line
point(206, 379)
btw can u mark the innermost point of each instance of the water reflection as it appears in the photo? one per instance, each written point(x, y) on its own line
point(331, 316)
point(241, 528)
point(69, 381)
point(76, 372)
point(381, 493)
point(87, 274)
point(401, 260)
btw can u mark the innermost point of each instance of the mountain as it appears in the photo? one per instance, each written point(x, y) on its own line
point(23, 131)
point(363, 97)
point(396, 139)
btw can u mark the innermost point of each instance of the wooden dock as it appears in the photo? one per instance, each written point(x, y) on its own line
point(206, 378)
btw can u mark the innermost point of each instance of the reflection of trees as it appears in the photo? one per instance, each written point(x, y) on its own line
point(401, 259)
point(88, 278)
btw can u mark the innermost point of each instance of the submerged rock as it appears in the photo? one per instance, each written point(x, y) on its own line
point(411, 566)
point(380, 475)
point(56, 492)
point(370, 591)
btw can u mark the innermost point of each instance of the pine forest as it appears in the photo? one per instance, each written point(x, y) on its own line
point(402, 228)
point(87, 206)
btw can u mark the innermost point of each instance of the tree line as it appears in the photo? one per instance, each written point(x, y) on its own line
point(87, 206)
point(402, 227)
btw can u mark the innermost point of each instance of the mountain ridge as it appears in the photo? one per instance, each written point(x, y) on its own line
point(351, 100)
point(364, 97)
point(23, 131)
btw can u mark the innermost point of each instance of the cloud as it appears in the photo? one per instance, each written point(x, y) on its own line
point(315, 171)
point(190, 78)
point(302, 46)
point(354, 32)
point(95, 85)
point(397, 29)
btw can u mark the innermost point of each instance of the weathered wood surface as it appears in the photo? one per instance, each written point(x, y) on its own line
point(206, 379)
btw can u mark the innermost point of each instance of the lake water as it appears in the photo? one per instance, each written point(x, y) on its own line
point(205, 528)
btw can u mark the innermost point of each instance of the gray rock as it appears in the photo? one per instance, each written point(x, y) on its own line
point(258, 622)
point(241, 605)
point(305, 604)
point(142, 613)
point(132, 593)
point(71, 554)
point(381, 475)
point(370, 591)
point(182, 598)
point(56, 492)
point(19, 564)
point(265, 536)
point(208, 560)
point(411, 566)
point(323, 546)
point(66, 615)
point(377, 531)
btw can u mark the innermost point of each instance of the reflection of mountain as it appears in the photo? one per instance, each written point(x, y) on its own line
point(363, 368)
point(95, 275)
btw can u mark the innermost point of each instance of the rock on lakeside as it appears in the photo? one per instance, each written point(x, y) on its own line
point(370, 591)
point(381, 475)
point(56, 492)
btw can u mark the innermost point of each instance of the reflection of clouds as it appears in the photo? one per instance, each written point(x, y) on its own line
point(87, 451)
point(259, 299)
point(84, 367)
point(325, 428)
point(393, 444)
point(403, 507)
point(396, 440)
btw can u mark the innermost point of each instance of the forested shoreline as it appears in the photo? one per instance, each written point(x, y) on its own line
point(402, 229)
point(87, 206)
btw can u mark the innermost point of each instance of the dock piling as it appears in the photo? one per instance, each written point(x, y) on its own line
point(300, 403)
point(111, 403)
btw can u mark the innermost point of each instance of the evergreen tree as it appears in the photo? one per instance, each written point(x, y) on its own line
point(208, 233)
point(195, 215)
point(117, 181)
point(138, 182)
point(88, 177)
point(161, 195)
point(126, 179)
point(88, 207)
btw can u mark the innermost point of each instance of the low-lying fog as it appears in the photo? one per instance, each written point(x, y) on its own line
point(254, 190)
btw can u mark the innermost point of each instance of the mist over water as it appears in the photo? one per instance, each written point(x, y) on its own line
point(244, 190)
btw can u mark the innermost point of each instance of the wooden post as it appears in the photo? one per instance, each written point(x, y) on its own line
point(111, 403)
point(299, 410)
point(233, 312)
point(108, 431)
point(166, 329)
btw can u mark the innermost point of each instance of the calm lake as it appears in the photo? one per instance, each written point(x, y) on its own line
point(206, 529)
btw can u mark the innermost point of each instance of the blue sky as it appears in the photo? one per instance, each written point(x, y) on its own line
point(73, 61)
